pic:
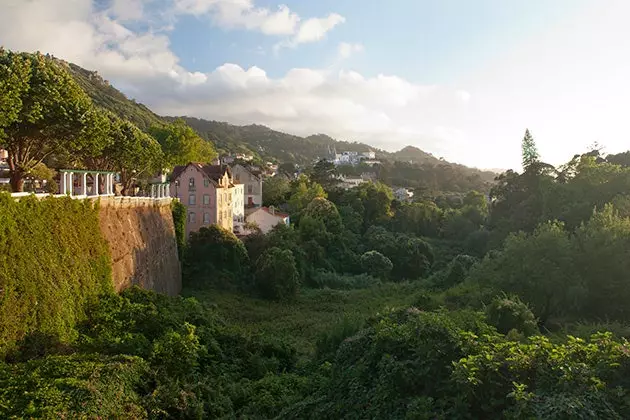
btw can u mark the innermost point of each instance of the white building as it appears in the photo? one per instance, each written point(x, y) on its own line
point(370, 155)
point(266, 218)
point(347, 183)
point(238, 203)
point(403, 194)
point(251, 178)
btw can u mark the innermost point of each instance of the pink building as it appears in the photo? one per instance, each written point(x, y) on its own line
point(206, 191)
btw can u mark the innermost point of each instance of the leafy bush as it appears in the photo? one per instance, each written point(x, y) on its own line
point(376, 264)
point(329, 341)
point(331, 280)
point(276, 274)
point(509, 313)
point(216, 257)
point(53, 259)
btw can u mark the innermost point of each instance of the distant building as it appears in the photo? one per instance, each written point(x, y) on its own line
point(4, 156)
point(207, 193)
point(238, 204)
point(227, 160)
point(369, 154)
point(347, 183)
point(266, 218)
point(251, 178)
point(403, 194)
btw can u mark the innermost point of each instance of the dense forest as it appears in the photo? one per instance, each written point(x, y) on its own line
point(460, 305)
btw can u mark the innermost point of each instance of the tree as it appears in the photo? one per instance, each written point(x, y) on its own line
point(529, 150)
point(303, 191)
point(508, 313)
point(540, 268)
point(376, 264)
point(132, 153)
point(44, 112)
point(181, 145)
point(326, 212)
point(324, 173)
point(215, 256)
point(277, 276)
point(275, 190)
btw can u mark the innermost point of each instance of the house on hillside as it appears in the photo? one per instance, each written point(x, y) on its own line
point(207, 193)
point(251, 178)
point(403, 194)
point(266, 218)
point(238, 205)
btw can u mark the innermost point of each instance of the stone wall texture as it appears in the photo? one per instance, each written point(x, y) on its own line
point(141, 237)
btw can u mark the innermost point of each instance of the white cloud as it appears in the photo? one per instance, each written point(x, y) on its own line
point(345, 49)
point(242, 14)
point(311, 30)
point(128, 9)
point(568, 84)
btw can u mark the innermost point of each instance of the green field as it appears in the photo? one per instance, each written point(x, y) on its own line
point(314, 311)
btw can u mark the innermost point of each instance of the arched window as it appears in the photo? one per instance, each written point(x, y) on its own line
point(191, 182)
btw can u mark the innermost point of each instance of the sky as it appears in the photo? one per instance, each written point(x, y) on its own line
point(460, 79)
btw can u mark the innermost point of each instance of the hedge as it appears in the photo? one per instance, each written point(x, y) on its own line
point(53, 259)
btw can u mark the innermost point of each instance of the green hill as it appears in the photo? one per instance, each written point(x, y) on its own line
point(269, 144)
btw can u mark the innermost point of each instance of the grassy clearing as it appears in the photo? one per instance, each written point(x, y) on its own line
point(315, 310)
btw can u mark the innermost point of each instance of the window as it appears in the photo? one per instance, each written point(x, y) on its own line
point(250, 189)
point(237, 177)
point(220, 199)
point(206, 200)
point(206, 182)
point(191, 217)
point(191, 183)
point(206, 218)
point(192, 199)
point(251, 177)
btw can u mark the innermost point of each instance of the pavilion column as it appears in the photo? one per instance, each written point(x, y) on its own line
point(71, 183)
point(62, 183)
point(167, 188)
point(95, 192)
point(109, 182)
point(152, 190)
point(84, 190)
point(106, 185)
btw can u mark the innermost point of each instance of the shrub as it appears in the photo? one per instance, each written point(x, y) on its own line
point(376, 264)
point(216, 257)
point(329, 341)
point(508, 313)
point(328, 279)
point(276, 274)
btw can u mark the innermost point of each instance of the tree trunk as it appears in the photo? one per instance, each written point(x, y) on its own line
point(17, 180)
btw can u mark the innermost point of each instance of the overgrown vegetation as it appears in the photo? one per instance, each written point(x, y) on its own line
point(53, 260)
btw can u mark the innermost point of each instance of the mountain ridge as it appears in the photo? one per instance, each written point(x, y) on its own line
point(258, 139)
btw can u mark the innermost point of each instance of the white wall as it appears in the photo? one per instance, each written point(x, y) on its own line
point(265, 221)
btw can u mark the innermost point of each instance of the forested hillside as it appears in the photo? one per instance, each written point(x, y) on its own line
point(417, 169)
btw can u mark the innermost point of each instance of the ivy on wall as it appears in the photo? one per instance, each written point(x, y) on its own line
point(53, 259)
point(179, 219)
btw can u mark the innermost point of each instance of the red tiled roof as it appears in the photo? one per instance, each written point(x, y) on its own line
point(275, 213)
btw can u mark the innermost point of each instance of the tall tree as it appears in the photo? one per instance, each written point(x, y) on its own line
point(529, 150)
point(43, 112)
point(181, 144)
point(324, 173)
point(132, 153)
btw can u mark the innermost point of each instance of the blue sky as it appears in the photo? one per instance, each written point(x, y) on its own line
point(461, 79)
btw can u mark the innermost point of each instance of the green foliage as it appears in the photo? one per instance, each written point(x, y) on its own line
point(179, 220)
point(276, 190)
point(132, 153)
point(47, 113)
point(277, 276)
point(329, 341)
point(529, 151)
point(324, 173)
point(303, 192)
point(509, 313)
point(328, 279)
point(53, 259)
point(539, 268)
point(76, 386)
point(216, 257)
point(181, 145)
point(376, 264)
